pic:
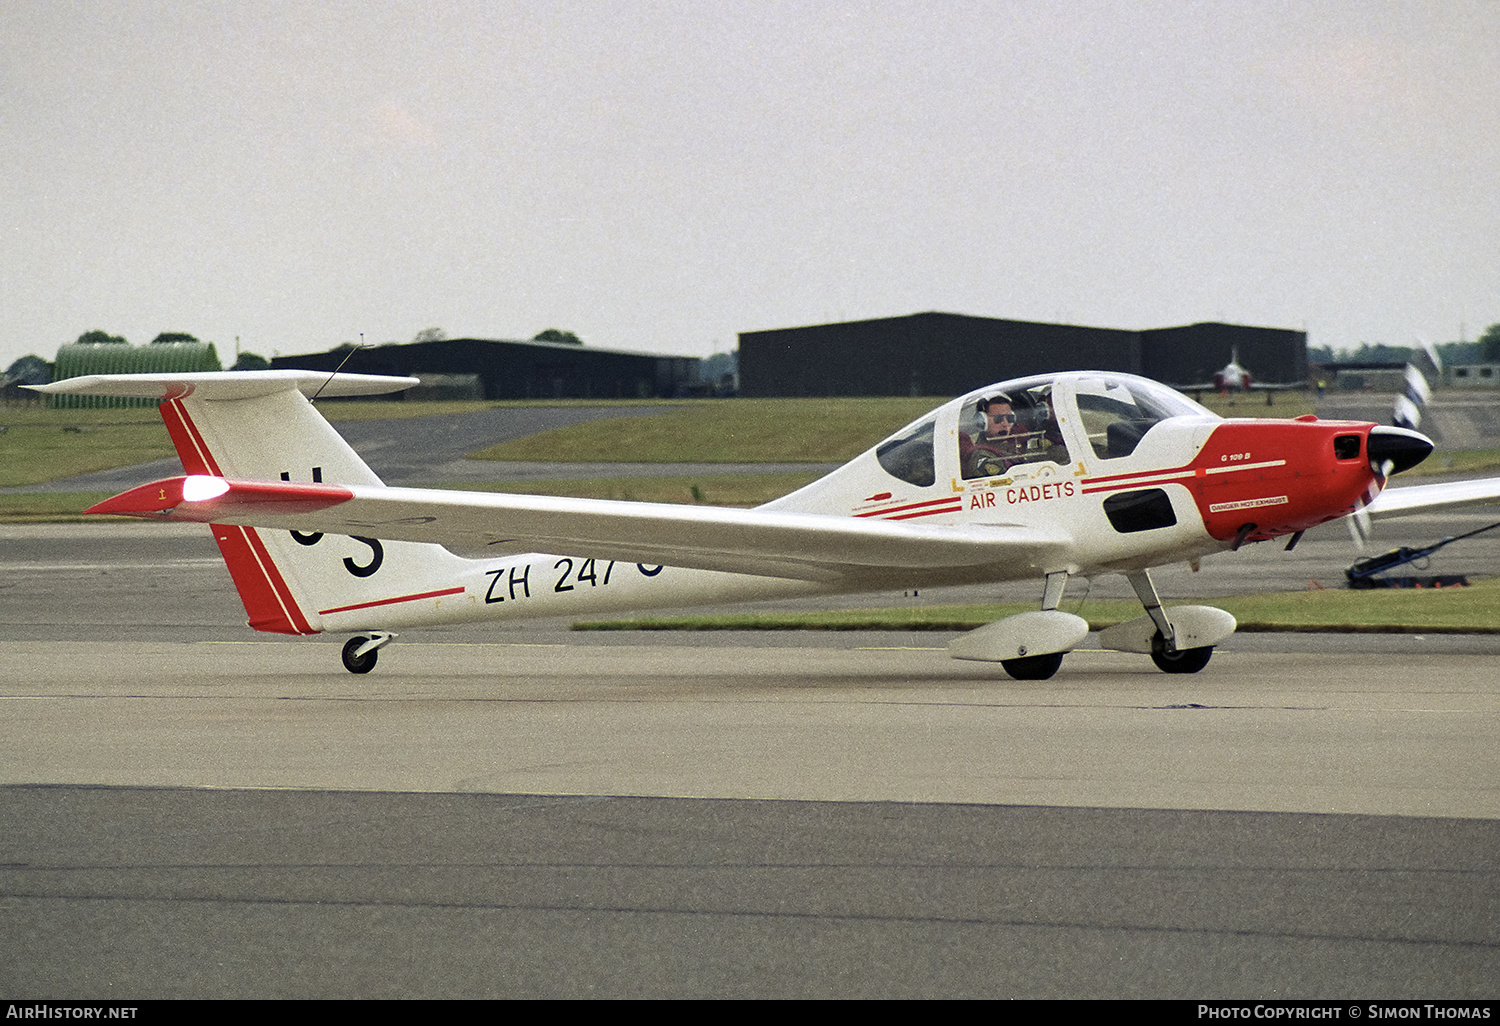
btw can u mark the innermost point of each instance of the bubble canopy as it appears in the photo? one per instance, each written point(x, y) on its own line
point(1021, 422)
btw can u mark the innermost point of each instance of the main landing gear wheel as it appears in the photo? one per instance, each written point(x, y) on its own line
point(355, 663)
point(1189, 660)
point(1033, 667)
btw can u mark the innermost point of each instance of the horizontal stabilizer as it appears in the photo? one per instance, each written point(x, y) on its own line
point(226, 384)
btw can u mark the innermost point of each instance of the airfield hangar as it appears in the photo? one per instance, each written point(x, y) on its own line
point(949, 354)
point(75, 359)
point(505, 369)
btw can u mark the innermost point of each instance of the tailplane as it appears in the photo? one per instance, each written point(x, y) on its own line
point(260, 426)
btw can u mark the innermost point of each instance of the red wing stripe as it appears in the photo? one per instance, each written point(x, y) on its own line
point(1187, 469)
point(928, 512)
point(392, 601)
point(1150, 477)
point(1143, 482)
point(910, 505)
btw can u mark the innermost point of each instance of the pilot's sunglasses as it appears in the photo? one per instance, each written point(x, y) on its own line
point(1003, 416)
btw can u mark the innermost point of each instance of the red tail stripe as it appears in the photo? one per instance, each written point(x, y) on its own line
point(392, 601)
point(194, 452)
point(269, 608)
point(276, 581)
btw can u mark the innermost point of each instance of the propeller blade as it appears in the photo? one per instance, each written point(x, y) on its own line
point(1406, 414)
point(1432, 353)
point(1358, 523)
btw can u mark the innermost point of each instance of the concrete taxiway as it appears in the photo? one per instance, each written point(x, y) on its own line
point(888, 718)
point(187, 809)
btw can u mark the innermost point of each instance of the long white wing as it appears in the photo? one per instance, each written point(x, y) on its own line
point(801, 546)
point(1413, 499)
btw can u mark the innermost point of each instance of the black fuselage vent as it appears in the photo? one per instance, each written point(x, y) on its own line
point(1145, 510)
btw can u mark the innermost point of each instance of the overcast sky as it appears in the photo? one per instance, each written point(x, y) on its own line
point(661, 176)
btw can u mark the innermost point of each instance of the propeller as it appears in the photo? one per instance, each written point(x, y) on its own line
point(1390, 450)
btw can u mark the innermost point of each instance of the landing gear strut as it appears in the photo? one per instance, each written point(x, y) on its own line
point(1164, 651)
point(360, 652)
point(1183, 643)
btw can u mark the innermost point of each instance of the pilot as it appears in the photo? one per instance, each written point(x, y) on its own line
point(1050, 441)
point(995, 448)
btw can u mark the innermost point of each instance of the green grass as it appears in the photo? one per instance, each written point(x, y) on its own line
point(725, 431)
point(772, 430)
point(39, 444)
point(1460, 462)
point(51, 507)
point(1286, 404)
point(1473, 609)
point(36, 413)
point(37, 452)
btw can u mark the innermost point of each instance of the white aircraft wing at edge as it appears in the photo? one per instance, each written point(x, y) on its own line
point(1433, 498)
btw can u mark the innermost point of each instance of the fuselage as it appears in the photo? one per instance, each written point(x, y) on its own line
point(1134, 475)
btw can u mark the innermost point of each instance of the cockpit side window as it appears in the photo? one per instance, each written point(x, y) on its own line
point(1116, 417)
point(909, 455)
point(1002, 430)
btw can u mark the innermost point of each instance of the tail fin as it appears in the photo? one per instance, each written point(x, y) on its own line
point(259, 425)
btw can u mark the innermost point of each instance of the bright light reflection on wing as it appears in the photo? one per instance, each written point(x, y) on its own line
point(198, 487)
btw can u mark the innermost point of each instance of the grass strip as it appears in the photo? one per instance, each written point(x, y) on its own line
point(52, 508)
point(39, 444)
point(35, 453)
point(725, 431)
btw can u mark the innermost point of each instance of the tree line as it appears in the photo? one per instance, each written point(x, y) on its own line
point(1484, 349)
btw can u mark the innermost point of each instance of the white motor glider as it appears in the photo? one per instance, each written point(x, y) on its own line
point(1046, 478)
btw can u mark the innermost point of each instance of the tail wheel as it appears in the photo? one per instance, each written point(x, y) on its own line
point(1033, 667)
point(355, 663)
point(1189, 660)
